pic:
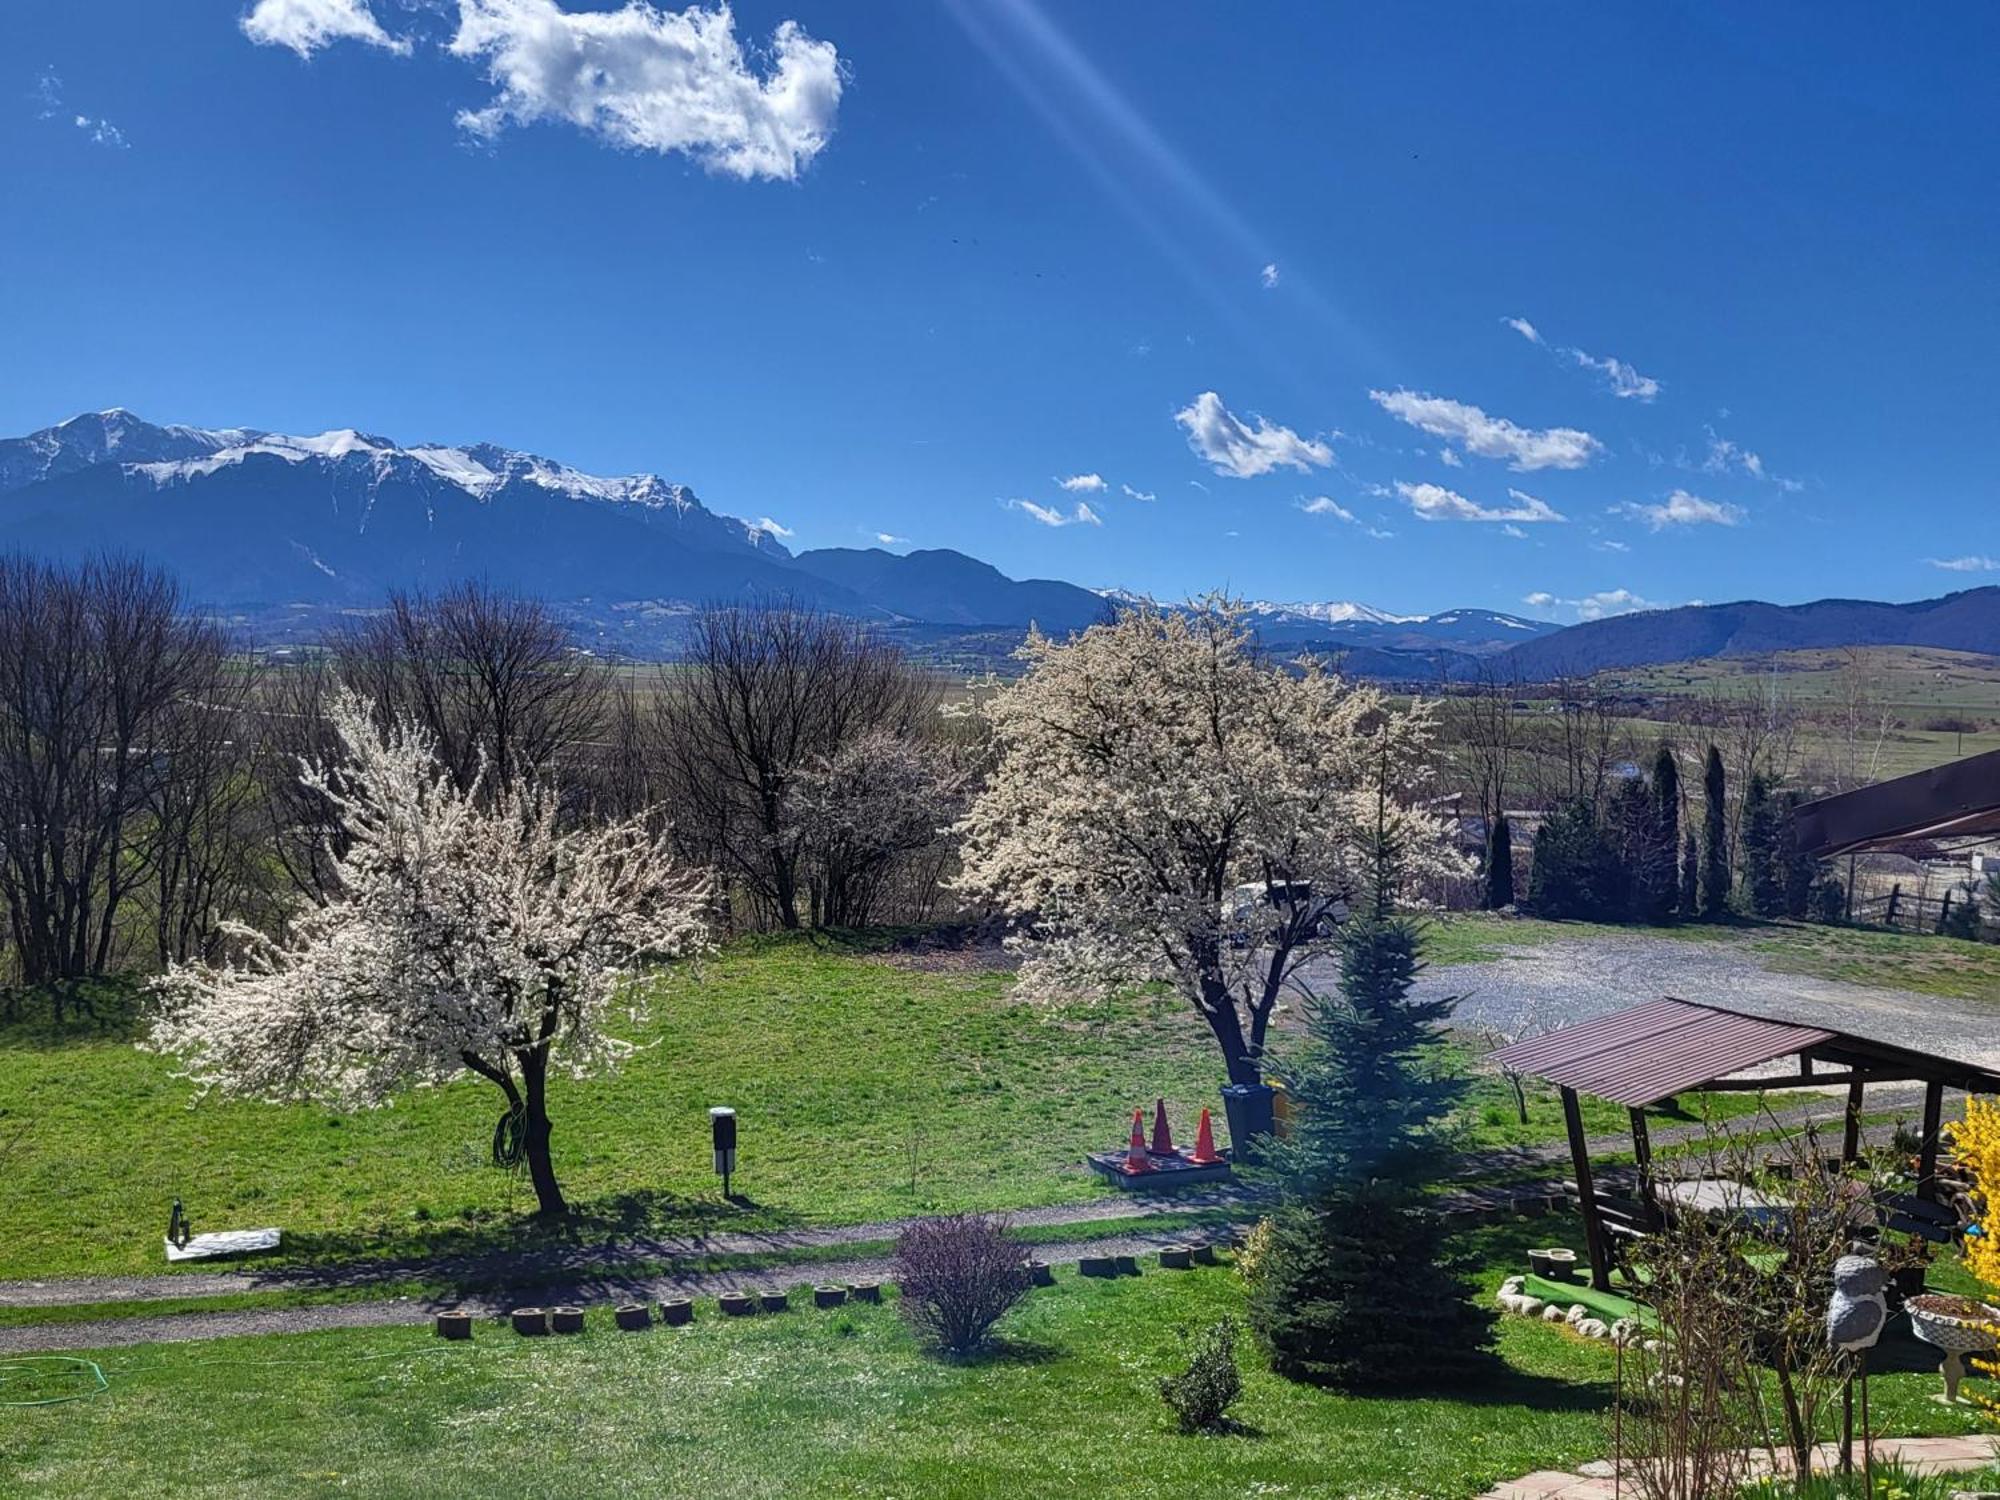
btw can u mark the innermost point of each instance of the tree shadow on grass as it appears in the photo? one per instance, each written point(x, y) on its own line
point(598, 1236)
point(74, 1013)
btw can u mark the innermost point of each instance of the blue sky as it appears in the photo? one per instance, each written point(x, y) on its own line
point(901, 270)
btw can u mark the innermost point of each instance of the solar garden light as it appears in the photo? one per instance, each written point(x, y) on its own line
point(722, 1129)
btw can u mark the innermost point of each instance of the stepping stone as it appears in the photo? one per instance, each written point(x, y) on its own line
point(224, 1243)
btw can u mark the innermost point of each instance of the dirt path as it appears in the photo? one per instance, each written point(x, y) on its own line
point(585, 1292)
point(579, 1262)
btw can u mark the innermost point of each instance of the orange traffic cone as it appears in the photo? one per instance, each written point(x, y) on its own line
point(1205, 1153)
point(1163, 1138)
point(1136, 1159)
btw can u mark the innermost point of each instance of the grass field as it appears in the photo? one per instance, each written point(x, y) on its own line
point(1914, 685)
point(836, 1404)
point(868, 1091)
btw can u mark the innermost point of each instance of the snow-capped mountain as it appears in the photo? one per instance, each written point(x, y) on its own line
point(250, 520)
point(1335, 612)
point(1348, 626)
point(259, 524)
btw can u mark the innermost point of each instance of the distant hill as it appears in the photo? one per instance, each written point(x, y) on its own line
point(941, 587)
point(1965, 621)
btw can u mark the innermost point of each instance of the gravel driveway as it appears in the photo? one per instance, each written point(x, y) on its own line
point(1555, 984)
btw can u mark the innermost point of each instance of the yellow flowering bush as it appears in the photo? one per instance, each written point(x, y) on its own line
point(1976, 1140)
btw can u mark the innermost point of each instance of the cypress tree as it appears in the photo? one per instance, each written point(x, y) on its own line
point(1667, 819)
point(1357, 1290)
point(1500, 865)
point(1690, 902)
point(1714, 841)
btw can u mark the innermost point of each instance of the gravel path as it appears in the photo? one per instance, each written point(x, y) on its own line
point(584, 1292)
point(1554, 984)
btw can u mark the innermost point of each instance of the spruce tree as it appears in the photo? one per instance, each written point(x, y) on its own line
point(1357, 1290)
point(1763, 875)
point(1667, 819)
point(1714, 841)
point(1500, 865)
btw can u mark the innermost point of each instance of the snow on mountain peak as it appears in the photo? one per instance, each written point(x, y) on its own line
point(1334, 612)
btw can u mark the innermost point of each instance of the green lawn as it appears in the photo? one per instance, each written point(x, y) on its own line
point(838, 1404)
point(866, 1092)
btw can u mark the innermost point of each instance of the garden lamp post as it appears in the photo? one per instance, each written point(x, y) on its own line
point(722, 1132)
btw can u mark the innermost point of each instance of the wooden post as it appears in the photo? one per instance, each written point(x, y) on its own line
point(1928, 1154)
point(1586, 1192)
point(1850, 1135)
point(1642, 1152)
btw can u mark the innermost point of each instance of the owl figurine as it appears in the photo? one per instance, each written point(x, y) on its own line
point(1857, 1312)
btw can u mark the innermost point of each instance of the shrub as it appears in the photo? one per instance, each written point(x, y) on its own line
point(1250, 1255)
point(959, 1275)
point(1202, 1394)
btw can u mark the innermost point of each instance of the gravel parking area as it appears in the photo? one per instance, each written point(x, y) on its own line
point(1555, 984)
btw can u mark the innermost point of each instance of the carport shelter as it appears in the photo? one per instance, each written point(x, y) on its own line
point(1653, 1052)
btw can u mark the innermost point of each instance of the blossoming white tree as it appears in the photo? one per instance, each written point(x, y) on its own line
point(467, 933)
point(1150, 769)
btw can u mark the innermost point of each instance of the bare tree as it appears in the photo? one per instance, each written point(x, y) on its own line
point(92, 660)
point(204, 849)
point(767, 693)
point(306, 835)
point(495, 679)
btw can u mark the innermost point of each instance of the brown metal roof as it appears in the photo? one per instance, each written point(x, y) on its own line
point(1654, 1051)
point(1960, 799)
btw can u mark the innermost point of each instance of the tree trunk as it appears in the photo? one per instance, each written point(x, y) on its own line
point(1219, 1010)
point(535, 1131)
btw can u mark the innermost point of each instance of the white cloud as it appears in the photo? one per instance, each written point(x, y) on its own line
point(1626, 382)
point(1514, 531)
point(1725, 456)
point(1971, 564)
point(1132, 494)
point(1083, 515)
point(1269, 276)
point(1450, 459)
point(1084, 484)
point(305, 26)
point(776, 528)
point(1490, 437)
point(654, 80)
point(1433, 502)
point(102, 133)
point(1232, 447)
point(1325, 505)
point(1596, 606)
point(1682, 509)
point(48, 96)
point(890, 539)
point(1610, 546)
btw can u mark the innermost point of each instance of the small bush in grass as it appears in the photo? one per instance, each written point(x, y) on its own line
point(1202, 1394)
point(958, 1274)
point(1252, 1253)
